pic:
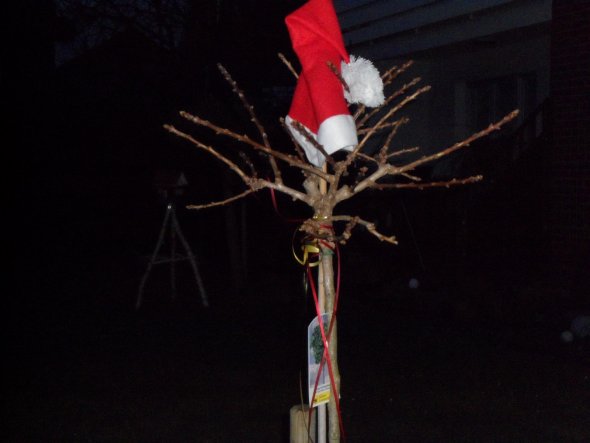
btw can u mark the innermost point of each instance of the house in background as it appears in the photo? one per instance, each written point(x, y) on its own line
point(484, 58)
point(568, 168)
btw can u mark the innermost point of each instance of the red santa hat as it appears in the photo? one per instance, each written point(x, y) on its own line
point(319, 101)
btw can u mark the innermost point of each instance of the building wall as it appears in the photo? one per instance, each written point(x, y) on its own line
point(570, 158)
point(504, 220)
point(447, 113)
point(491, 42)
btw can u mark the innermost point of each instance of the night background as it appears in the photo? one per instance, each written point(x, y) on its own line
point(475, 353)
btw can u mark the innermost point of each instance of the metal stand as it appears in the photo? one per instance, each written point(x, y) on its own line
point(171, 225)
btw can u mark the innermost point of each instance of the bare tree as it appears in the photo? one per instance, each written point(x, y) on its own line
point(323, 189)
point(163, 21)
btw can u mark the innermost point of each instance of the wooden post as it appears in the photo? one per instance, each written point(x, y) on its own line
point(321, 409)
point(322, 427)
point(301, 431)
point(333, 416)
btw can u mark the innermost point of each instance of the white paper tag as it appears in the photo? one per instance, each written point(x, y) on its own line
point(315, 351)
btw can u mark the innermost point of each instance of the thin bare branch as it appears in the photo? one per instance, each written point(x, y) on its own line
point(253, 183)
point(403, 151)
point(303, 131)
point(411, 177)
point(382, 156)
point(338, 75)
point(387, 169)
point(368, 225)
point(367, 158)
point(289, 65)
point(345, 192)
point(298, 149)
point(347, 231)
point(428, 185)
point(247, 160)
point(342, 166)
point(260, 183)
point(391, 112)
point(245, 178)
point(390, 75)
point(289, 159)
point(253, 118)
point(387, 101)
point(462, 144)
point(222, 202)
point(362, 172)
point(379, 128)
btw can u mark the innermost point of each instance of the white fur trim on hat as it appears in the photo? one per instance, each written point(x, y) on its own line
point(335, 133)
point(364, 82)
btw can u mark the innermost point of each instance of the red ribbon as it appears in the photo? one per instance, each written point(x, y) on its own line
point(326, 357)
point(276, 207)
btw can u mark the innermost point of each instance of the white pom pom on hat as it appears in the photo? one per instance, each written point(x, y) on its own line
point(319, 102)
point(365, 85)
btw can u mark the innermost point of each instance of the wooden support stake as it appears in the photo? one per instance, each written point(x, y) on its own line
point(322, 422)
point(301, 431)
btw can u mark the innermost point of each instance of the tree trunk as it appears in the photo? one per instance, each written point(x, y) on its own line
point(328, 274)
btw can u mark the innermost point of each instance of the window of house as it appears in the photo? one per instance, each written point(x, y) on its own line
point(491, 99)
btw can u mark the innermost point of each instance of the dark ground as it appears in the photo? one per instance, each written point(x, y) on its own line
point(415, 367)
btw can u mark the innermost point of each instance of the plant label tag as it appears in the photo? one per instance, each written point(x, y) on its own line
point(315, 352)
